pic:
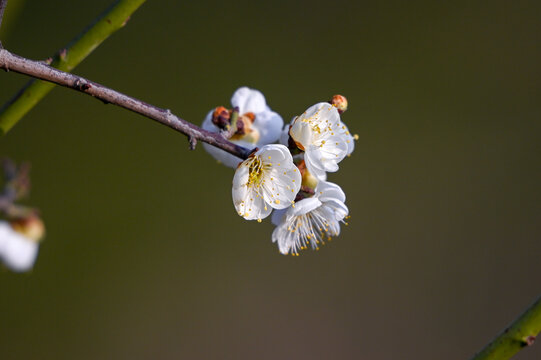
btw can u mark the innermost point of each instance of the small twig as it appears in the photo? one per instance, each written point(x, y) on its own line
point(193, 142)
point(521, 333)
point(43, 71)
point(3, 4)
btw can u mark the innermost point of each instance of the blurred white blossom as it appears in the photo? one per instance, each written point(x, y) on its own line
point(18, 252)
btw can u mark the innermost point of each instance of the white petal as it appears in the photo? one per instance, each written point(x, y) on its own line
point(269, 124)
point(302, 133)
point(339, 209)
point(249, 100)
point(319, 120)
point(284, 136)
point(276, 153)
point(247, 201)
point(350, 140)
point(314, 164)
point(283, 182)
point(278, 216)
point(329, 191)
point(281, 236)
point(322, 111)
point(304, 206)
point(207, 123)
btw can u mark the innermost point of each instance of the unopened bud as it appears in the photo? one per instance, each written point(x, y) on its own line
point(30, 227)
point(221, 117)
point(340, 102)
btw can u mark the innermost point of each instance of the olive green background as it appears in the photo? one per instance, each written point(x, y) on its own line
point(145, 256)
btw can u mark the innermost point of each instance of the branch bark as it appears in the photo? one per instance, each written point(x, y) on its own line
point(521, 333)
point(68, 58)
point(42, 71)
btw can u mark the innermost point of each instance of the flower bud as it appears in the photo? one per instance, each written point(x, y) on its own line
point(221, 117)
point(340, 102)
point(30, 227)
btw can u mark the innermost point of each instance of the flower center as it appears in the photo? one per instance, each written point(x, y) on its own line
point(256, 171)
point(245, 129)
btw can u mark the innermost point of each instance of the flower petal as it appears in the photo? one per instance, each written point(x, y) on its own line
point(283, 182)
point(283, 238)
point(329, 191)
point(304, 206)
point(278, 216)
point(249, 100)
point(248, 203)
point(269, 124)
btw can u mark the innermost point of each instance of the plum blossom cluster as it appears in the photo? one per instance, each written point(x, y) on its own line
point(21, 229)
point(286, 173)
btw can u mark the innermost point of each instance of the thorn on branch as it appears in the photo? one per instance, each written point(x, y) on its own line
point(193, 142)
point(81, 85)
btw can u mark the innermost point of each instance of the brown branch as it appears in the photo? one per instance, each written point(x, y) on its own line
point(39, 70)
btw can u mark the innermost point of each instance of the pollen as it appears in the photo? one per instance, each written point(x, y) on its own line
point(277, 201)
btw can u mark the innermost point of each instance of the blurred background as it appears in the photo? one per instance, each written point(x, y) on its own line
point(145, 256)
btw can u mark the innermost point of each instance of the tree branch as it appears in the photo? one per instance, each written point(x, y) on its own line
point(90, 38)
point(39, 70)
point(519, 334)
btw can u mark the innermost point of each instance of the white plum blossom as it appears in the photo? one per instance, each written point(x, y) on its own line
point(311, 221)
point(267, 179)
point(17, 251)
point(323, 137)
point(262, 125)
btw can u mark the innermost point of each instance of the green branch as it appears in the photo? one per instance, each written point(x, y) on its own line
point(520, 333)
point(110, 21)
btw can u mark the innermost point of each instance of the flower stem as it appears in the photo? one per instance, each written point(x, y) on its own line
point(519, 334)
point(106, 24)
